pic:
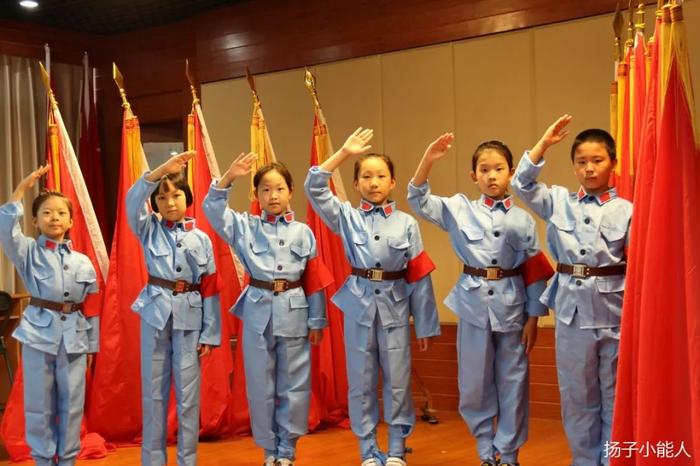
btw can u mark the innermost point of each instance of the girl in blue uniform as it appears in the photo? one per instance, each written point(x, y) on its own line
point(55, 331)
point(283, 307)
point(179, 307)
point(390, 282)
point(496, 297)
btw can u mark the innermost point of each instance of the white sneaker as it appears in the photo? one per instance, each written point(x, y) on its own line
point(284, 462)
point(395, 461)
point(270, 461)
point(370, 462)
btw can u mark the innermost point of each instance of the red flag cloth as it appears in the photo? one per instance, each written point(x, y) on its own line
point(662, 317)
point(115, 397)
point(329, 377)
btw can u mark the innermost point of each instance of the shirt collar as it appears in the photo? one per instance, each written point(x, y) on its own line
point(187, 224)
point(386, 209)
point(601, 198)
point(287, 217)
point(58, 246)
point(491, 204)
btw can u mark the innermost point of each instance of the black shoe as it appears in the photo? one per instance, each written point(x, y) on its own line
point(489, 463)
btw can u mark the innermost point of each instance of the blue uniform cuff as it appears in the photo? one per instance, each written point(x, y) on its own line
point(317, 323)
point(221, 193)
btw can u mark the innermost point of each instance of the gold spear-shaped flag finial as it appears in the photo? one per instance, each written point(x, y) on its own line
point(630, 25)
point(119, 79)
point(47, 83)
point(192, 81)
point(639, 23)
point(251, 83)
point(310, 81)
point(618, 24)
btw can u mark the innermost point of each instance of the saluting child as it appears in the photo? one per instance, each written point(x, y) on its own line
point(496, 297)
point(179, 307)
point(56, 332)
point(588, 234)
point(283, 308)
point(390, 282)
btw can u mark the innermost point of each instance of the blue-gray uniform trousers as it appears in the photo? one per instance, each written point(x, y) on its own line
point(164, 353)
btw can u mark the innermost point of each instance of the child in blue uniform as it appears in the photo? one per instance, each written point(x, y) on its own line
point(587, 233)
point(390, 282)
point(496, 297)
point(179, 307)
point(283, 308)
point(55, 331)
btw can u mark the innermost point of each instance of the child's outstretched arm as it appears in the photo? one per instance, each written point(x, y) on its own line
point(227, 223)
point(14, 242)
point(431, 208)
point(537, 195)
point(325, 204)
point(137, 212)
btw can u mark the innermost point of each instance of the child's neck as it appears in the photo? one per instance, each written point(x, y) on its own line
point(497, 198)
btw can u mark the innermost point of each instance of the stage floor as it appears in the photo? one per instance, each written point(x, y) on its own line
point(446, 443)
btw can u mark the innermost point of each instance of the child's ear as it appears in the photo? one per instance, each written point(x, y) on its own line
point(356, 185)
point(473, 175)
point(393, 183)
point(35, 222)
point(70, 223)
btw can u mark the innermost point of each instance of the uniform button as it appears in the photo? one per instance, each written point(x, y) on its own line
point(587, 220)
point(178, 269)
point(179, 245)
point(405, 254)
point(378, 264)
point(579, 282)
point(279, 267)
point(174, 293)
point(281, 242)
point(490, 292)
point(376, 237)
point(494, 261)
point(65, 267)
point(63, 317)
point(529, 238)
point(496, 234)
point(66, 294)
point(276, 293)
point(583, 252)
point(376, 291)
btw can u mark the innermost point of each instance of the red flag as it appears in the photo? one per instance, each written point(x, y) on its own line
point(660, 322)
point(115, 407)
point(330, 384)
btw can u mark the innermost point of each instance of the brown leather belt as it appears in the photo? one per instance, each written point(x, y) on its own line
point(378, 275)
point(491, 273)
point(279, 284)
point(584, 271)
point(66, 308)
point(178, 286)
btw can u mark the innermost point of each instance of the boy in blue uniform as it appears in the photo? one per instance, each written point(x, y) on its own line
point(496, 297)
point(389, 283)
point(55, 331)
point(283, 308)
point(179, 307)
point(587, 233)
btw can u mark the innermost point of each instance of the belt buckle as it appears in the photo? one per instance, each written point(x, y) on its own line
point(180, 286)
point(279, 284)
point(66, 308)
point(493, 273)
point(580, 271)
point(375, 275)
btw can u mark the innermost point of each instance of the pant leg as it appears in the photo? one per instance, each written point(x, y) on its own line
point(395, 360)
point(293, 390)
point(186, 375)
point(577, 371)
point(478, 400)
point(362, 365)
point(156, 364)
point(39, 404)
point(259, 362)
point(608, 345)
point(70, 401)
point(511, 372)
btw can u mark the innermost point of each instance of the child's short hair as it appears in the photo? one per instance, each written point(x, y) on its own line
point(363, 157)
point(495, 145)
point(595, 135)
point(178, 181)
point(280, 168)
point(46, 194)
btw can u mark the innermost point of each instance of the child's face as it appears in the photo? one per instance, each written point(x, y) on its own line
point(171, 204)
point(53, 218)
point(593, 166)
point(492, 174)
point(374, 181)
point(273, 193)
